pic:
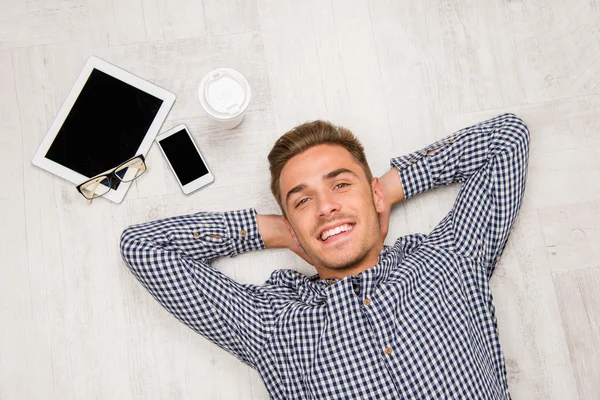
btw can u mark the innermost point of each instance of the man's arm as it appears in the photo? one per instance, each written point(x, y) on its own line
point(491, 158)
point(392, 187)
point(171, 258)
point(273, 231)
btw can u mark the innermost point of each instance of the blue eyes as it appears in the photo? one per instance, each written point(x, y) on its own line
point(338, 186)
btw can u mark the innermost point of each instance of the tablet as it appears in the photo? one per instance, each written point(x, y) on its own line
point(109, 116)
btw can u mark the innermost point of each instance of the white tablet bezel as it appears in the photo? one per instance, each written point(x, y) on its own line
point(92, 63)
point(196, 183)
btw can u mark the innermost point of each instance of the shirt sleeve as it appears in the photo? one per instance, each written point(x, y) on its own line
point(490, 159)
point(171, 258)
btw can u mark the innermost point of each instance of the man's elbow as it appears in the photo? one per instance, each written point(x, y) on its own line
point(127, 246)
point(519, 129)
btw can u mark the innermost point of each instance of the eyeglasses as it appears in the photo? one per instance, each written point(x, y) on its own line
point(100, 185)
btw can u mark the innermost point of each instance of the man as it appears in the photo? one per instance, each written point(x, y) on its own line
point(412, 320)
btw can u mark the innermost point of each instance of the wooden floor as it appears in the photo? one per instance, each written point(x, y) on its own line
point(75, 324)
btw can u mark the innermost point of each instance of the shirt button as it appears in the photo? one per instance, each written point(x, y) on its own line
point(331, 282)
point(243, 233)
point(412, 160)
point(388, 350)
point(196, 234)
point(452, 139)
point(367, 302)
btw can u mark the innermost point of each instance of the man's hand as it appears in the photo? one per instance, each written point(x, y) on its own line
point(277, 233)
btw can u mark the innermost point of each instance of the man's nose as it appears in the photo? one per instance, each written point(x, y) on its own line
point(327, 205)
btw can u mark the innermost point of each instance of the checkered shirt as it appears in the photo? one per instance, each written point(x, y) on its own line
point(420, 324)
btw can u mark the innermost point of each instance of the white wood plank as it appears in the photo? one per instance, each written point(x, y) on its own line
point(529, 323)
point(10, 143)
point(19, 330)
point(35, 23)
point(572, 234)
point(565, 177)
point(292, 57)
point(562, 61)
point(231, 16)
point(579, 300)
point(181, 19)
point(115, 22)
point(128, 22)
point(152, 21)
point(457, 55)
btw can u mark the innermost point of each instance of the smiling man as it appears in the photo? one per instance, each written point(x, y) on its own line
point(412, 320)
point(332, 206)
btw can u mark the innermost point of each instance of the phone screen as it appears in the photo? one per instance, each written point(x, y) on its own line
point(184, 158)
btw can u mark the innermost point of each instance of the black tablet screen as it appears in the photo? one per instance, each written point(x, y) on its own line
point(105, 126)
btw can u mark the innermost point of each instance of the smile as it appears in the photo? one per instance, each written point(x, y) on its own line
point(336, 231)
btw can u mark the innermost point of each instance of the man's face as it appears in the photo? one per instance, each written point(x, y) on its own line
point(322, 189)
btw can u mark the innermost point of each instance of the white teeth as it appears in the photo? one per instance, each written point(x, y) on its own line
point(335, 231)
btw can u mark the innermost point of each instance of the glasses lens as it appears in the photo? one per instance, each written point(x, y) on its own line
point(96, 187)
point(131, 170)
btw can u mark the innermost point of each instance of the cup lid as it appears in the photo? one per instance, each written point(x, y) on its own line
point(224, 93)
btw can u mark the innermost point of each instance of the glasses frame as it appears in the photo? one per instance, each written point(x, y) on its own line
point(111, 176)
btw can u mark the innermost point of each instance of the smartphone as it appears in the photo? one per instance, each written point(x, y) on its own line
point(184, 158)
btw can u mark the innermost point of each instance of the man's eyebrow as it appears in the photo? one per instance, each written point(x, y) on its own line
point(327, 176)
point(337, 172)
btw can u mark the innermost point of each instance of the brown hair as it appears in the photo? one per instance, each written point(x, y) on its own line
point(305, 136)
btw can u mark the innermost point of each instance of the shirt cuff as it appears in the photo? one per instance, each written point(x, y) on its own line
point(242, 228)
point(413, 173)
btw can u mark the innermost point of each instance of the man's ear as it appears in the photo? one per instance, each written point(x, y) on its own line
point(378, 196)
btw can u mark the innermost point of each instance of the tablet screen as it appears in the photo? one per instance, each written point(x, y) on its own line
point(105, 127)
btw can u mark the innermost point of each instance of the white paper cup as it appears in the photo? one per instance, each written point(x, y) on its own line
point(225, 96)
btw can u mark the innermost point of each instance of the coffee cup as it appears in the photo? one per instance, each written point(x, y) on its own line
point(225, 96)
